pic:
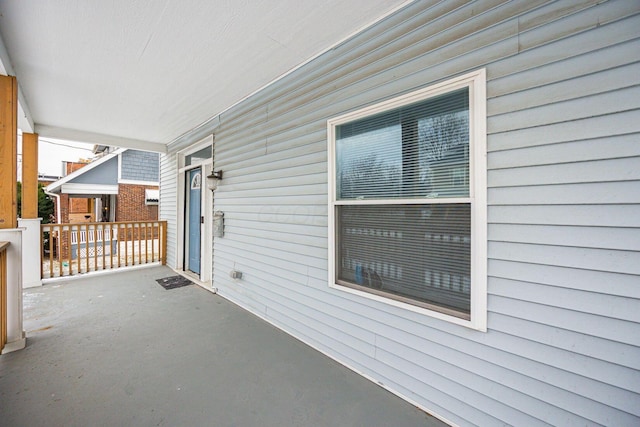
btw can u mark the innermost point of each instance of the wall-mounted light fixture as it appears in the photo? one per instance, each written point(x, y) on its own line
point(213, 179)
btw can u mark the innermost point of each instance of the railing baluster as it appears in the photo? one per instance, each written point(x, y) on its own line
point(58, 249)
point(133, 244)
point(140, 230)
point(51, 250)
point(80, 240)
point(93, 229)
point(143, 242)
point(104, 239)
point(78, 248)
point(153, 241)
point(113, 235)
point(120, 238)
point(126, 245)
point(146, 243)
point(139, 243)
point(87, 248)
point(136, 236)
point(69, 232)
point(64, 236)
point(78, 258)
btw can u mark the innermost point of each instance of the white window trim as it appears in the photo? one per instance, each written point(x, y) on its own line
point(194, 148)
point(476, 82)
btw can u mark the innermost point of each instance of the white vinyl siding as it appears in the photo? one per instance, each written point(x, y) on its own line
point(168, 203)
point(563, 174)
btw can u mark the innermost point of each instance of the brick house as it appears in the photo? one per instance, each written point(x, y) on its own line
point(118, 186)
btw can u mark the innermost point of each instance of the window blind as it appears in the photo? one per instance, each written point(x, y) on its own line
point(418, 252)
point(416, 151)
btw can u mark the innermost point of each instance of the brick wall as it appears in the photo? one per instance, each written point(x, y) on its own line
point(64, 208)
point(80, 206)
point(130, 204)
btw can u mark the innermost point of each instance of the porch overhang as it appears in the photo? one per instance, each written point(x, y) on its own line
point(149, 79)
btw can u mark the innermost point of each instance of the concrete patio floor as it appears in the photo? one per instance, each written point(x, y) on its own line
point(119, 350)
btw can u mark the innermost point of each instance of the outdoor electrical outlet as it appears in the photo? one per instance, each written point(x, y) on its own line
point(235, 274)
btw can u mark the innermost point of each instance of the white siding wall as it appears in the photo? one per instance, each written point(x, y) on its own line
point(168, 202)
point(564, 215)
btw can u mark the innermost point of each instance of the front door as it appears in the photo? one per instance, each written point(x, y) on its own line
point(194, 196)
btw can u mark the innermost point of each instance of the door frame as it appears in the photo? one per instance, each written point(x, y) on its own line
point(206, 211)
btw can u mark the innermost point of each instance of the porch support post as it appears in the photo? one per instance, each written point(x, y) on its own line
point(29, 176)
point(8, 211)
point(8, 152)
point(29, 220)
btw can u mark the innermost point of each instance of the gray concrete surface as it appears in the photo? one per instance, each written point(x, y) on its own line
point(119, 350)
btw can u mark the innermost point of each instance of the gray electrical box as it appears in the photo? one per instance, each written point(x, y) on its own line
point(218, 224)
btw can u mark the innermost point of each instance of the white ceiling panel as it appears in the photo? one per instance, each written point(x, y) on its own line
point(151, 70)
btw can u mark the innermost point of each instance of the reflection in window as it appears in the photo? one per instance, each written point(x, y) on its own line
point(201, 155)
point(416, 151)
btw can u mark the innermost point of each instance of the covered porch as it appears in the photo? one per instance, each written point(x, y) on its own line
point(119, 349)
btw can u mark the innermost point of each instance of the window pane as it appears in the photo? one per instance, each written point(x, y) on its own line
point(416, 151)
point(444, 146)
point(200, 155)
point(369, 164)
point(418, 253)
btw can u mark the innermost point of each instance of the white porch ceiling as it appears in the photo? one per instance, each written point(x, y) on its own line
point(141, 73)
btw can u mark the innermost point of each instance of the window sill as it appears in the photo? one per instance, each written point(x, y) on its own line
point(432, 313)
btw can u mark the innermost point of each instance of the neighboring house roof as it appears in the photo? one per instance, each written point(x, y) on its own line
point(66, 184)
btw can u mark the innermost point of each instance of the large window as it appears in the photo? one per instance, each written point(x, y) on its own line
point(408, 201)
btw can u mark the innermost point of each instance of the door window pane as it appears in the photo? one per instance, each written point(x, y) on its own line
point(204, 154)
